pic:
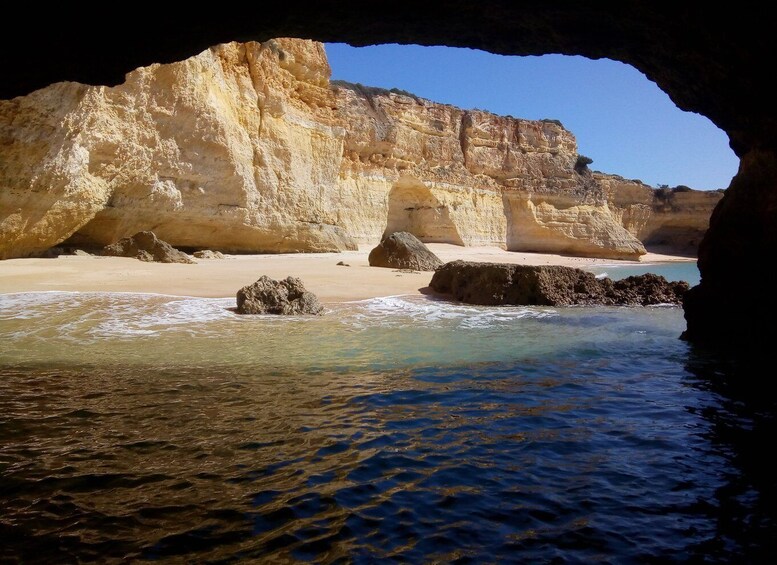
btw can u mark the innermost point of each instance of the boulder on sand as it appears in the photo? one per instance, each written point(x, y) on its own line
point(268, 296)
point(403, 250)
point(146, 246)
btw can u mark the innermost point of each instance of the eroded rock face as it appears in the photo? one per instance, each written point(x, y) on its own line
point(403, 250)
point(268, 296)
point(237, 148)
point(666, 220)
point(146, 246)
point(470, 177)
point(249, 148)
point(723, 311)
point(498, 283)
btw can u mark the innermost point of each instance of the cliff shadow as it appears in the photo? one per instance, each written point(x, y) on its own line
point(413, 208)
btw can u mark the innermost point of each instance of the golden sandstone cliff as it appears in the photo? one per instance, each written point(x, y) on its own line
point(250, 148)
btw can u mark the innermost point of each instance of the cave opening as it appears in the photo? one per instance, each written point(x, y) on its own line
point(413, 208)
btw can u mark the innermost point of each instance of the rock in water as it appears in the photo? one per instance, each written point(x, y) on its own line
point(268, 296)
point(499, 283)
point(647, 289)
point(403, 250)
point(147, 247)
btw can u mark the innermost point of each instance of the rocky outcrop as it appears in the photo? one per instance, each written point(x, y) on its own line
point(208, 254)
point(402, 250)
point(268, 296)
point(679, 219)
point(470, 177)
point(666, 220)
point(235, 149)
point(249, 148)
point(146, 246)
point(497, 283)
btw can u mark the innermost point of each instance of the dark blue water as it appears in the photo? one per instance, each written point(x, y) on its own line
point(402, 429)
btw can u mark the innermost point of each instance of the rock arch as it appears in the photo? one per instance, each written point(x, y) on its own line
point(710, 59)
point(412, 207)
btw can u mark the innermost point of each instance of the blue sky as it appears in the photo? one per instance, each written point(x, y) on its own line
point(623, 121)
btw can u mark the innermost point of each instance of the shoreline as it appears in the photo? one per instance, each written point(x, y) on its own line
point(222, 278)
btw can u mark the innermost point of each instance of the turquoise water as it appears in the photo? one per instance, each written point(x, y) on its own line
point(675, 271)
point(146, 427)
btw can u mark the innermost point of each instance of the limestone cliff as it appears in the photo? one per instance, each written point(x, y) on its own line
point(669, 220)
point(248, 147)
point(473, 178)
point(237, 148)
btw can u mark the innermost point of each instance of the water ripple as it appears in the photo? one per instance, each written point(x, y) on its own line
point(600, 444)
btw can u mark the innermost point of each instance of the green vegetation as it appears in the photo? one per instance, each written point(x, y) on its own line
point(403, 93)
point(582, 163)
point(665, 194)
point(373, 90)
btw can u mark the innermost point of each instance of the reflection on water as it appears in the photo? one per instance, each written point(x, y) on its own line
point(742, 412)
point(581, 434)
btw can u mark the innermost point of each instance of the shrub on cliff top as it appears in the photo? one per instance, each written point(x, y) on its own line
point(582, 163)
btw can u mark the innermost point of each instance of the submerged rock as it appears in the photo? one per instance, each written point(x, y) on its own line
point(147, 247)
point(500, 283)
point(403, 250)
point(268, 296)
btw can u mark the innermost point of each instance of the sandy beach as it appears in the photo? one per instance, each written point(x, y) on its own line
point(222, 278)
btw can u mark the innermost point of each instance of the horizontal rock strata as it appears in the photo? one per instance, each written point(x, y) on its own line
point(250, 148)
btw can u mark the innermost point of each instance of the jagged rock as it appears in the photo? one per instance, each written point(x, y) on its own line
point(208, 254)
point(268, 296)
point(147, 247)
point(342, 264)
point(500, 283)
point(143, 255)
point(403, 250)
